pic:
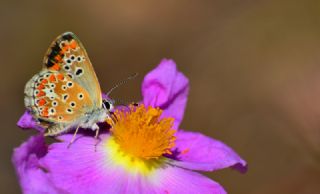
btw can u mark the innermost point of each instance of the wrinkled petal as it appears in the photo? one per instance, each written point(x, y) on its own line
point(167, 88)
point(175, 180)
point(33, 179)
point(26, 121)
point(198, 152)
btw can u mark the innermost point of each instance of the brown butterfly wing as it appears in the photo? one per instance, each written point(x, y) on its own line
point(67, 87)
point(68, 55)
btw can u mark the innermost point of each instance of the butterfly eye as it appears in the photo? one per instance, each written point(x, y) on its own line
point(108, 105)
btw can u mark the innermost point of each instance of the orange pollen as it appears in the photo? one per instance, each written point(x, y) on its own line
point(140, 132)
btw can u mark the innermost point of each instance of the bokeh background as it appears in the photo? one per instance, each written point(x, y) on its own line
point(254, 69)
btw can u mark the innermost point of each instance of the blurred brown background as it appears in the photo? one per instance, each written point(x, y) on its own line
point(254, 68)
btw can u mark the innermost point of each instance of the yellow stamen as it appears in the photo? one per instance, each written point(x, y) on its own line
point(141, 133)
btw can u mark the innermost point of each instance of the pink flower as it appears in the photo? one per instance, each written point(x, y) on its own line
point(144, 152)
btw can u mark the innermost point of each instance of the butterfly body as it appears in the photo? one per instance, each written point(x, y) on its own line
point(66, 93)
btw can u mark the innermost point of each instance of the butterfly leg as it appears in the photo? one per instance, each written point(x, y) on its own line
point(97, 138)
point(73, 137)
point(97, 133)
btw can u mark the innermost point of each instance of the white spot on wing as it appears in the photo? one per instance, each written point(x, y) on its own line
point(65, 97)
point(54, 103)
point(64, 87)
point(69, 84)
point(80, 96)
point(52, 111)
point(69, 111)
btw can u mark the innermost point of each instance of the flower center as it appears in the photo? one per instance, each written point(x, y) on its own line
point(141, 133)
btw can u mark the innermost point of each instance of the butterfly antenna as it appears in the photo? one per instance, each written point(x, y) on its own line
point(122, 82)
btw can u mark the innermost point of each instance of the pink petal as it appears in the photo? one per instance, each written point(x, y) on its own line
point(175, 180)
point(167, 88)
point(86, 167)
point(199, 152)
point(26, 121)
point(81, 167)
point(32, 177)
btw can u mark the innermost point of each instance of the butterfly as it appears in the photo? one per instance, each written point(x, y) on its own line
point(66, 93)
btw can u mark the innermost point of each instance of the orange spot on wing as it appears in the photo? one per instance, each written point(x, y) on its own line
point(42, 102)
point(58, 58)
point(64, 49)
point(45, 112)
point(40, 87)
point(41, 93)
point(52, 78)
point(73, 44)
point(44, 81)
point(67, 47)
point(56, 67)
point(60, 77)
